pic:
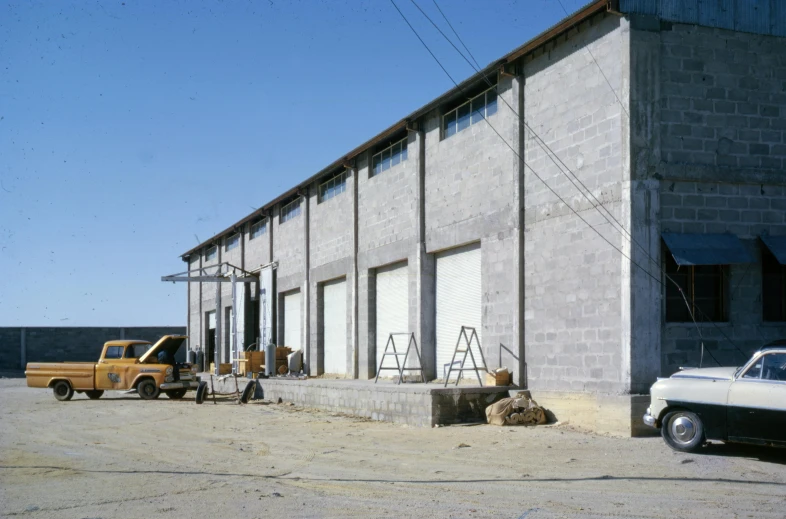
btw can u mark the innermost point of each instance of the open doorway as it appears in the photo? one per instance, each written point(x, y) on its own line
point(210, 339)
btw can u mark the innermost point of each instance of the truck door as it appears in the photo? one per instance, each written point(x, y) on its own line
point(108, 376)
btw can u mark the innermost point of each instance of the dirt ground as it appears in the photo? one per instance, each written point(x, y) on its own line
point(123, 457)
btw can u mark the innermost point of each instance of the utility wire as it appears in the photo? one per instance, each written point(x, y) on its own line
point(553, 157)
point(522, 160)
point(599, 68)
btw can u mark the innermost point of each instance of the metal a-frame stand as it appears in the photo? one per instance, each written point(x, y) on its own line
point(466, 350)
point(221, 273)
point(401, 367)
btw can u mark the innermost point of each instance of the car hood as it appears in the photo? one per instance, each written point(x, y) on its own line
point(709, 373)
point(168, 343)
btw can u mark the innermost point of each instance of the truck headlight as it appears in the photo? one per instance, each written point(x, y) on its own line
point(169, 370)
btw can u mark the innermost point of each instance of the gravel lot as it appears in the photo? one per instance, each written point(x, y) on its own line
point(122, 457)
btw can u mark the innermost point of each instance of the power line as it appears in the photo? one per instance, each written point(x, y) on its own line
point(599, 68)
point(552, 155)
point(521, 159)
point(554, 158)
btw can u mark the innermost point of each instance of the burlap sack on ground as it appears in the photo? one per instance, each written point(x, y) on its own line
point(520, 410)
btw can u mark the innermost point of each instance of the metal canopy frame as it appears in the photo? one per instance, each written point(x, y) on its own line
point(220, 273)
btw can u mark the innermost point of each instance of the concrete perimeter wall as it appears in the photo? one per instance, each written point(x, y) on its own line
point(43, 344)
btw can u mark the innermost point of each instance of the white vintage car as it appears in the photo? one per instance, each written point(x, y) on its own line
point(743, 405)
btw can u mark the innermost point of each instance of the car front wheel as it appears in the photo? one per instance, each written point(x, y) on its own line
point(683, 431)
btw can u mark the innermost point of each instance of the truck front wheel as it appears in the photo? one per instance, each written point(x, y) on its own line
point(148, 390)
point(63, 390)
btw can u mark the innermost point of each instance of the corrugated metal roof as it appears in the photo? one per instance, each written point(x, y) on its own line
point(778, 19)
point(754, 16)
point(777, 245)
point(707, 249)
point(716, 13)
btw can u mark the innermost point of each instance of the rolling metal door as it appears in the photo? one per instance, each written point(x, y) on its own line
point(458, 302)
point(292, 320)
point(334, 295)
point(392, 311)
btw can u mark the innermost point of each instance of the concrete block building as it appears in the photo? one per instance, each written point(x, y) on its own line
point(672, 117)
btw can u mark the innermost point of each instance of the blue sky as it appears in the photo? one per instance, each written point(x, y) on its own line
point(128, 130)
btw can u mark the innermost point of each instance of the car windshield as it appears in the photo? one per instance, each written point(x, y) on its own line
point(137, 350)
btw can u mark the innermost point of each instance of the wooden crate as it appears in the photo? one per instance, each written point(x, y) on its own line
point(242, 367)
point(254, 360)
point(223, 369)
point(501, 377)
point(282, 352)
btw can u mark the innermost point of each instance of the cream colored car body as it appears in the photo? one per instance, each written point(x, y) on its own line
point(746, 404)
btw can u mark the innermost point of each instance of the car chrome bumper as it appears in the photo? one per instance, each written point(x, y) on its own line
point(649, 419)
point(180, 385)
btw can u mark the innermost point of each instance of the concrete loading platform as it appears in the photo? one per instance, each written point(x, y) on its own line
point(413, 404)
point(430, 404)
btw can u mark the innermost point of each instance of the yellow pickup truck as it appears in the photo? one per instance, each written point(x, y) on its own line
point(124, 365)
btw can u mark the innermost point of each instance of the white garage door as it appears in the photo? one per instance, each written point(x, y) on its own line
point(334, 321)
point(392, 311)
point(292, 321)
point(458, 302)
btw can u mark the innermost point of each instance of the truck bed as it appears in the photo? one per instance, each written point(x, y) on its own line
point(80, 374)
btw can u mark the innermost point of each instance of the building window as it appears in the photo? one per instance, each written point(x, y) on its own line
point(211, 253)
point(232, 242)
point(333, 187)
point(773, 291)
point(258, 229)
point(704, 287)
point(290, 210)
point(389, 157)
point(469, 113)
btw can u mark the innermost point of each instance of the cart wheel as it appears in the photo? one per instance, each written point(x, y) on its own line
point(248, 392)
point(201, 392)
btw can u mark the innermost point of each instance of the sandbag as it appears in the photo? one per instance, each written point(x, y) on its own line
point(519, 410)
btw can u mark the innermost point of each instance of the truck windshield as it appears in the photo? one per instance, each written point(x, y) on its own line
point(136, 350)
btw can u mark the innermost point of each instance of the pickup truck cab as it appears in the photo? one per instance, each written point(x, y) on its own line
point(124, 365)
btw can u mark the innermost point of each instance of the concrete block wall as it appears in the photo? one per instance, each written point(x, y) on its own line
point(331, 256)
point(78, 344)
point(289, 251)
point(707, 155)
point(747, 211)
point(10, 349)
point(257, 250)
point(575, 328)
point(289, 248)
point(471, 193)
point(388, 221)
point(195, 332)
point(415, 405)
point(724, 98)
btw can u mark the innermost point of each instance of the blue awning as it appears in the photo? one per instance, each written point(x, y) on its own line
point(777, 245)
point(707, 249)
